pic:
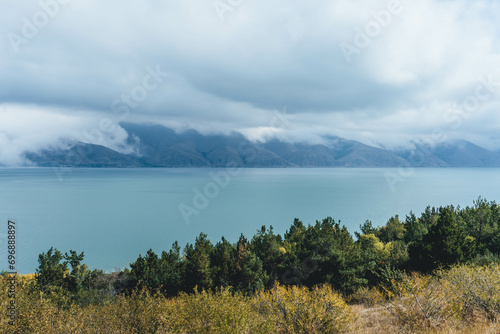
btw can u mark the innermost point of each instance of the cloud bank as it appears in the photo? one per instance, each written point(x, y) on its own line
point(384, 72)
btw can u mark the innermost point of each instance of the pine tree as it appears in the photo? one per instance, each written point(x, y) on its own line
point(50, 271)
point(223, 263)
point(197, 266)
point(444, 245)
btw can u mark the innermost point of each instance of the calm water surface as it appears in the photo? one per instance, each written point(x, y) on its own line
point(113, 215)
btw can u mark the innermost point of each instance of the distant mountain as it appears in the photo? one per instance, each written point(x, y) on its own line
point(459, 153)
point(163, 147)
point(339, 152)
point(83, 155)
point(466, 154)
point(158, 146)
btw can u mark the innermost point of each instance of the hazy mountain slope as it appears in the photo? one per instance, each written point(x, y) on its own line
point(158, 146)
point(459, 153)
point(466, 154)
point(83, 155)
point(336, 152)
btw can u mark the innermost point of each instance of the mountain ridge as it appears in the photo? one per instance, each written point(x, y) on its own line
point(159, 146)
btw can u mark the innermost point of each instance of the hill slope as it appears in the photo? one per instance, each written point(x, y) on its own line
point(158, 146)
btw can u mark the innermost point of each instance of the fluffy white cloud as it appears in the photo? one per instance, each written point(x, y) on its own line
point(67, 65)
point(31, 128)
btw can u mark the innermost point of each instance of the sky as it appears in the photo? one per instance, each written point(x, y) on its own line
point(388, 73)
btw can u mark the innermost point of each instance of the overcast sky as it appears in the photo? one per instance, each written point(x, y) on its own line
point(382, 72)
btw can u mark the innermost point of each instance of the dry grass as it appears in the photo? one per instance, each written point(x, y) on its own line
point(373, 319)
point(279, 310)
point(463, 299)
point(376, 319)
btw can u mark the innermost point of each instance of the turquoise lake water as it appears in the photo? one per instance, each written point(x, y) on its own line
point(113, 215)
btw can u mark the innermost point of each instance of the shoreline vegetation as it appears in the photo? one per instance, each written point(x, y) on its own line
point(435, 273)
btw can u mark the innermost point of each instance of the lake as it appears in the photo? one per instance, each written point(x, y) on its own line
point(113, 215)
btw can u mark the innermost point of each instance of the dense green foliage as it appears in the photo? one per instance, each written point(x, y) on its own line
point(306, 255)
point(437, 270)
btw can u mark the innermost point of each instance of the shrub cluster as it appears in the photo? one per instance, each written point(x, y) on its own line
point(277, 279)
point(279, 310)
point(463, 292)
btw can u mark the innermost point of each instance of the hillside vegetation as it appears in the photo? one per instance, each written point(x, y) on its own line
point(439, 272)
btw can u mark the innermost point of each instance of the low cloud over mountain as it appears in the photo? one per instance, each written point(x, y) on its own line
point(158, 146)
point(380, 72)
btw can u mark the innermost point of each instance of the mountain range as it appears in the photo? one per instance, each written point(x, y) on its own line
point(158, 146)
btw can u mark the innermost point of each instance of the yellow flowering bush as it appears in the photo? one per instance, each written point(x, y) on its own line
point(475, 290)
point(419, 301)
point(300, 310)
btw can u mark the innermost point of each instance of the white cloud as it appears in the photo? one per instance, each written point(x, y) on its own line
point(31, 128)
point(235, 74)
